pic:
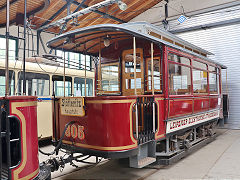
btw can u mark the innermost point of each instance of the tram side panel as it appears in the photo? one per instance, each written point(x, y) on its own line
point(23, 150)
point(105, 130)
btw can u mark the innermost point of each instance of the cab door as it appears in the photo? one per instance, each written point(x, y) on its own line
point(128, 84)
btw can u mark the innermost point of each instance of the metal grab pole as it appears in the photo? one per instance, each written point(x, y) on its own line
point(64, 75)
point(100, 66)
point(153, 87)
point(135, 81)
point(7, 55)
point(24, 48)
point(85, 74)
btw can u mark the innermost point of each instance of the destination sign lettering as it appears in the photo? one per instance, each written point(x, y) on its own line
point(72, 106)
point(178, 124)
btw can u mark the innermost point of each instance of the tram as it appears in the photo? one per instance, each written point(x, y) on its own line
point(157, 97)
point(42, 80)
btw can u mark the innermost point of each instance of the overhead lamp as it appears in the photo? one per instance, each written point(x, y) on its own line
point(123, 6)
point(106, 41)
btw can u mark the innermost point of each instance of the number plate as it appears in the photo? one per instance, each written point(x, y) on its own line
point(72, 106)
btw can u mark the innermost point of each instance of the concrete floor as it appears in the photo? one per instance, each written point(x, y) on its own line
point(217, 160)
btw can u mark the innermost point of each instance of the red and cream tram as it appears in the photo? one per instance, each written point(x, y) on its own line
point(157, 96)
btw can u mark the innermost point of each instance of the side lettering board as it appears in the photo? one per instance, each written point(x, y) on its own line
point(178, 124)
point(72, 106)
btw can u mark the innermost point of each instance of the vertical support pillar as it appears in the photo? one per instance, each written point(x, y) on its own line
point(85, 72)
point(154, 125)
point(167, 145)
point(24, 48)
point(7, 47)
point(195, 134)
point(38, 36)
point(100, 66)
point(135, 81)
point(64, 75)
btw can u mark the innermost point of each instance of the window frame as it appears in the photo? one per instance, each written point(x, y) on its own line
point(193, 58)
point(16, 44)
point(180, 64)
point(100, 91)
point(147, 75)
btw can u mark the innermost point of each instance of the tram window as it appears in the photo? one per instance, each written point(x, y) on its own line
point(12, 48)
point(58, 85)
point(130, 83)
point(79, 87)
point(129, 63)
point(213, 83)
point(110, 77)
point(2, 82)
point(178, 59)
point(199, 81)
point(36, 84)
point(156, 74)
point(179, 79)
point(199, 65)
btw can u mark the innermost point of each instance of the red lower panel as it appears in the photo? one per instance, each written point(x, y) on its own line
point(201, 104)
point(213, 102)
point(178, 107)
point(106, 126)
point(25, 109)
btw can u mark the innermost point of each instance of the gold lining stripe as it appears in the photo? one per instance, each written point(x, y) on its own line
point(110, 101)
point(14, 110)
point(100, 147)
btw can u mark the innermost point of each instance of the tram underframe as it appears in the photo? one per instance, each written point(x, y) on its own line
point(178, 145)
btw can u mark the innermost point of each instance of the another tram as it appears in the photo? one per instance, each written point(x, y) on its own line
point(156, 95)
point(43, 77)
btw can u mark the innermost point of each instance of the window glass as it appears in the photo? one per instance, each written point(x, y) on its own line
point(199, 65)
point(179, 79)
point(36, 84)
point(58, 85)
point(129, 63)
point(178, 59)
point(199, 81)
point(156, 74)
point(213, 83)
point(2, 82)
point(79, 87)
point(110, 77)
point(74, 60)
point(12, 48)
point(130, 83)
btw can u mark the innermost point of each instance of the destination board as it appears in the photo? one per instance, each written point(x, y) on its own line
point(72, 106)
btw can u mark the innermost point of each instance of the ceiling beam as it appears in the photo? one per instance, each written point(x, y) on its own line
point(56, 14)
point(100, 12)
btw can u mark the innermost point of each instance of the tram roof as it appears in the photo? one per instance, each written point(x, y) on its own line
point(71, 41)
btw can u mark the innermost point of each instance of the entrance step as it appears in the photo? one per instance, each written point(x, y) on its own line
point(146, 161)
